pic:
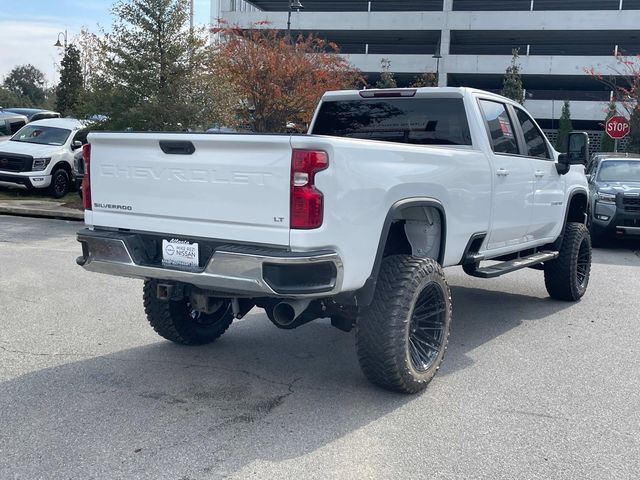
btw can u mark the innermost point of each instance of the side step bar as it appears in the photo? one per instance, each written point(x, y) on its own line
point(498, 269)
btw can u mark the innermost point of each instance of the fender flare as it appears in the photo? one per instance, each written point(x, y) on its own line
point(364, 295)
point(63, 164)
point(574, 193)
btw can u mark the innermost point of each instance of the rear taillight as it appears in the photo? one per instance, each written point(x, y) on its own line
point(307, 203)
point(86, 181)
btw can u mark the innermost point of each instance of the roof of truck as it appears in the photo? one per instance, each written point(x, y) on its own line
point(398, 93)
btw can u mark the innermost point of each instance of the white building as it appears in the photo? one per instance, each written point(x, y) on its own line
point(558, 41)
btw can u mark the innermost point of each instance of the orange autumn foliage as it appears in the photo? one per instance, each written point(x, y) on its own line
point(278, 78)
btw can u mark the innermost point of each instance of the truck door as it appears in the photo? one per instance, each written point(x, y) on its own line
point(548, 196)
point(512, 199)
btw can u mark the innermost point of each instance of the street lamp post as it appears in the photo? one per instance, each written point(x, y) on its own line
point(65, 36)
point(437, 56)
point(293, 5)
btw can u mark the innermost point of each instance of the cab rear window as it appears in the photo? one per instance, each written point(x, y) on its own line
point(419, 121)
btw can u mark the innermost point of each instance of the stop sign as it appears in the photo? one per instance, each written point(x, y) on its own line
point(617, 127)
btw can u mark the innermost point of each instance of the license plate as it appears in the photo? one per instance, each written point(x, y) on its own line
point(180, 253)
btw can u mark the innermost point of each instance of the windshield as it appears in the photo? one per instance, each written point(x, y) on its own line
point(421, 121)
point(42, 135)
point(619, 171)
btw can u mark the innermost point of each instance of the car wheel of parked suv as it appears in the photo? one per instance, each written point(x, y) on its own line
point(567, 277)
point(402, 336)
point(178, 322)
point(60, 183)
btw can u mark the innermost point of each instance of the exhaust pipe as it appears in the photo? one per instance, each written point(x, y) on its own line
point(287, 314)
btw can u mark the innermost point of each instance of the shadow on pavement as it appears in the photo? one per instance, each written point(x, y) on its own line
point(609, 252)
point(166, 411)
point(481, 316)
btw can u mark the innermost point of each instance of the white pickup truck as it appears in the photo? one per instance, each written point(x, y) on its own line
point(40, 155)
point(353, 221)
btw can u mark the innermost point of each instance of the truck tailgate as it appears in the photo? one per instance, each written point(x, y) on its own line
point(232, 187)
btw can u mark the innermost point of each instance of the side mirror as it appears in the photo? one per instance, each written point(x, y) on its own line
point(578, 152)
point(76, 144)
point(578, 143)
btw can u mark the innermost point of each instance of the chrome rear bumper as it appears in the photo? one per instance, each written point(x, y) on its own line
point(233, 269)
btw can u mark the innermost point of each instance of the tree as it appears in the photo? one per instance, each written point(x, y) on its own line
point(624, 82)
point(427, 79)
point(279, 81)
point(92, 54)
point(28, 84)
point(387, 78)
point(564, 128)
point(512, 83)
point(607, 143)
point(633, 145)
point(158, 74)
point(69, 90)
point(8, 98)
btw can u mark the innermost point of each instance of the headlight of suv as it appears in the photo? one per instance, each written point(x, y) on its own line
point(40, 164)
point(606, 198)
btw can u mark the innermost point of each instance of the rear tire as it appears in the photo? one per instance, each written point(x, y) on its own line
point(178, 322)
point(567, 277)
point(402, 336)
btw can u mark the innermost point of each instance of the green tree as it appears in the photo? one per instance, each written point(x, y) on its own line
point(607, 143)
point(69, 90)
point(565, 127)
point(8, 98)
point(387, 78)
point(28, 84)
point(512, 83)
point(427, 79)
point(157, 75)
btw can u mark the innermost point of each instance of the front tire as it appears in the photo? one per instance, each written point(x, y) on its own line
point(402, 336)
point(60, 183)
point(178, 322)
point(567, 277)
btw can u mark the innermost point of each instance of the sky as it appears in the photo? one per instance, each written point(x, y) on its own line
point(29, 28)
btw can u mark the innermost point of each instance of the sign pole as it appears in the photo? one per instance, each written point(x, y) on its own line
point(615, 145)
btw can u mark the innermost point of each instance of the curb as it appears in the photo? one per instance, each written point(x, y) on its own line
point(57, 213)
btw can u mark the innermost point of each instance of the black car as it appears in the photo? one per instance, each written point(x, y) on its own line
point(614, 185)
point(33, 114)
point(10, 123)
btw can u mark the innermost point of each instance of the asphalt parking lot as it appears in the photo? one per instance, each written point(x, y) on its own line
point(531, 388)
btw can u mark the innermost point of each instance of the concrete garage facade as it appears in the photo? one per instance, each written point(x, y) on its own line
point(557, 40)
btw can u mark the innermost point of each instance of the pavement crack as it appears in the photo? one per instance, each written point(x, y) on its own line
point(44, 354)
point(248, 373)
point(532, 414)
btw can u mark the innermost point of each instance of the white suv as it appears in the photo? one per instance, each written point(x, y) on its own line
point(40, 155)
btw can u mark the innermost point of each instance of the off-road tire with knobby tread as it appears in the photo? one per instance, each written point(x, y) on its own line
point(562, 276)
point(383, 328)
point(173, 320)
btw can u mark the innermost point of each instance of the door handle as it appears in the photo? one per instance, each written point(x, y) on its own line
point(539, 173)
point(502, 172)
